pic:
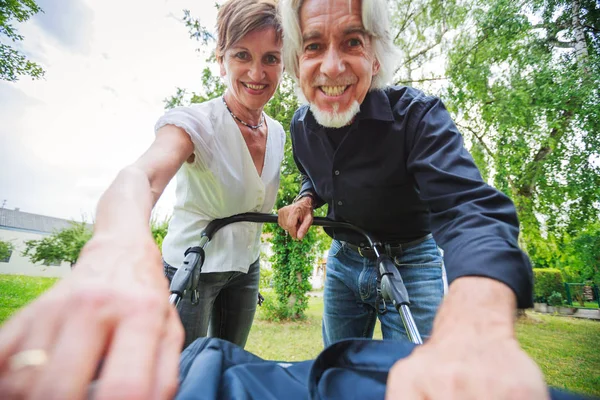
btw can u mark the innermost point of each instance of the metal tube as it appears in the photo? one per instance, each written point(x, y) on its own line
point(174, 299)
point(409, 324)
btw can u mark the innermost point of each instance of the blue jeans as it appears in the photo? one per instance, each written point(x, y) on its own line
point(226, 307)
point(351, 292)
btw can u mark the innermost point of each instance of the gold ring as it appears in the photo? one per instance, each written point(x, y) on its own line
point(28, 358)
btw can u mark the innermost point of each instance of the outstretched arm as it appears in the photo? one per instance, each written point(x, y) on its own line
point(472, 351)
point(114, 307)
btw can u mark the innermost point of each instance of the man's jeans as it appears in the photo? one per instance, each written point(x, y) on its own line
point(227, 303)
point(351, 292)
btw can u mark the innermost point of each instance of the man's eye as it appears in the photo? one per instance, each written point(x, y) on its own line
point(354, 42)
point(312, 47)
point(242, 55)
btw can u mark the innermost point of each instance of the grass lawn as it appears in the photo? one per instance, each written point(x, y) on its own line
point(17, 290)
point(566, 349)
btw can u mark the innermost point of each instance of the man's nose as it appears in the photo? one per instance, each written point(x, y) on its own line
point(333, 63)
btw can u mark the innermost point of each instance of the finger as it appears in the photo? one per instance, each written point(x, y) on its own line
point(79, 346)
point(305, 226)
point(292, 225)
point(13, 333)
point(167, 367)
point(130, 364)
point(401, 384)
point(12, 384)
point(40, 336)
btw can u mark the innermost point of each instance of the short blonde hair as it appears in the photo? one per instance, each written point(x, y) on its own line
point(237, 18)
point(375, 19)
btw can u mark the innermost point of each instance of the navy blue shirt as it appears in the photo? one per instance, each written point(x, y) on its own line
point(400, 171)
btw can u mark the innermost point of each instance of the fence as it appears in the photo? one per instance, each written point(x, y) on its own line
point(582, 293)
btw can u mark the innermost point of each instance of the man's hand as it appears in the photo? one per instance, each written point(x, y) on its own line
point(112, 311)
point(472, 352)
point(297, 218)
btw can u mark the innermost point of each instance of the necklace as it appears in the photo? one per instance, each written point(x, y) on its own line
point(262, 119)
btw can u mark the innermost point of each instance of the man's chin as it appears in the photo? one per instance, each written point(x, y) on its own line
point(335, 119)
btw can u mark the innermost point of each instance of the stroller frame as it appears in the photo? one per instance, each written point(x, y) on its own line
point(391, 284)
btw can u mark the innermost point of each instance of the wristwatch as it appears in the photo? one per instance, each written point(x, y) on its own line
point(305, 194)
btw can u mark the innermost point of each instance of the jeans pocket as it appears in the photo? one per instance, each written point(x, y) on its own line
point(336, 247)
point(425, 254)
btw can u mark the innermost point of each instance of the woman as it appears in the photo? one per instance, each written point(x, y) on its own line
point(226, 153)
point(233, 154)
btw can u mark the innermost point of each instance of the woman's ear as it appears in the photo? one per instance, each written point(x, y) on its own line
point(222, 69)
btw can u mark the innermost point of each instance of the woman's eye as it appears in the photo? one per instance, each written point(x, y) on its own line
point(354, 42)
point(270, 59)
point(242, 55)
point(312, 47)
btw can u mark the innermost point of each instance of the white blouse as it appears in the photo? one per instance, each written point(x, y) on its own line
point(220, 182)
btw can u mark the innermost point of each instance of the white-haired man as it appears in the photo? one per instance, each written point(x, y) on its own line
point(390, 160)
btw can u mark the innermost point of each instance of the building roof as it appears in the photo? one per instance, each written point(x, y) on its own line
point(15, 219)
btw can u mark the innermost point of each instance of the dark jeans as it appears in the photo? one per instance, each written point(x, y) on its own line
point(227, 303)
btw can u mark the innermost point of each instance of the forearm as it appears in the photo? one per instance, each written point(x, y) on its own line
point(126, 205)
point(479, 305)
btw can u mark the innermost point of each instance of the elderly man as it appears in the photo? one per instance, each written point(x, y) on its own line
point(390, 160)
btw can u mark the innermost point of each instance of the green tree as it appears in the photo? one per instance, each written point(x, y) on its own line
point(159, 230)
point(524, 80)
point(6, 249)
point(14, 63)
point(581, 261)
point(64, 245)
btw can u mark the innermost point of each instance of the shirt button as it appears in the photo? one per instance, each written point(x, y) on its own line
point(337, 172)
point(340, 203)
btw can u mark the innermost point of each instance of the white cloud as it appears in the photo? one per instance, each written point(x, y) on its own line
point(64, 138)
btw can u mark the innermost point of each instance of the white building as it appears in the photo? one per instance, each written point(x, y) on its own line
point(18, 227)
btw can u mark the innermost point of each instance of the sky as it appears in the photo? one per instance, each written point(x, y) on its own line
point(109, 66)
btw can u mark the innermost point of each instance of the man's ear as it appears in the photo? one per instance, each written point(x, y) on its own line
point(376, 67)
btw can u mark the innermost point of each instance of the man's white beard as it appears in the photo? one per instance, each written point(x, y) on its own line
point(335, 119)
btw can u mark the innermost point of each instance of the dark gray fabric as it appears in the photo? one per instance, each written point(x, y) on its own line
point(226, 307)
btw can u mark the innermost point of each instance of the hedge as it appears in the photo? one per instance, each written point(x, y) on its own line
point(545, 282)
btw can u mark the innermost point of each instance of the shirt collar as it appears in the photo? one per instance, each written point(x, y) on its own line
point(376, 105)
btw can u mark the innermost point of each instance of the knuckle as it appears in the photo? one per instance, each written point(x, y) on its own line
point(169, 389)
point(91, 297)
point(123, 389)
point(146, 303)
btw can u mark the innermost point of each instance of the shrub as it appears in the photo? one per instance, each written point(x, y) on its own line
point(266, 278)
point(555, 299)
point(546, 281)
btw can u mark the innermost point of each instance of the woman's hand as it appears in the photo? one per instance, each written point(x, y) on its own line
point(113, 313)
point(296, 218)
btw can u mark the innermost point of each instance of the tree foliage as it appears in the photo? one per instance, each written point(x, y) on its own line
point(522, 80)
point(159, 230)
point(14, 63)
point(64, 245)
point(6, 249)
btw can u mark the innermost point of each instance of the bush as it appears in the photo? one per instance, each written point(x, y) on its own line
point(266, 278)
point(555, 299)
point(546, 281)
point(273, 310)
